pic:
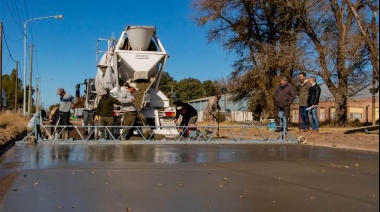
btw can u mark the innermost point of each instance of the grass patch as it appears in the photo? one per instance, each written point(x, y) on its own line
point(12, 125)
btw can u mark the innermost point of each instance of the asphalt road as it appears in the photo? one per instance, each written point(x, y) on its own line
point(179, 177)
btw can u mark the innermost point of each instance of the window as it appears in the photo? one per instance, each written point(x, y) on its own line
point(322, 114)
point(295, 116)
point(354, 116)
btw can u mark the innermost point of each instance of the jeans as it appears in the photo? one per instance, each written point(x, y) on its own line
point(314, 118)
point(128, 120)
point(304, 117)
point(285, 110)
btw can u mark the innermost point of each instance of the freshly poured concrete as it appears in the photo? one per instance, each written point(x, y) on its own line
point(175, 177)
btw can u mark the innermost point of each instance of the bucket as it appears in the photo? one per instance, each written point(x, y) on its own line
point(192, 130)
point(271, 125)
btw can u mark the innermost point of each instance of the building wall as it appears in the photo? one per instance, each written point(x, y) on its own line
point(358, 108)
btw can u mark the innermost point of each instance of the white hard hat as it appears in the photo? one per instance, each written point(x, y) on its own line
point(133, 85)
point(103, 92)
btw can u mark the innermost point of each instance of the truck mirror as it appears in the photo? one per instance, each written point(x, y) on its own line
point(77, 90)
point(77, 93)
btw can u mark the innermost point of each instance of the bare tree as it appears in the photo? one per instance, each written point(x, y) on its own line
point(273, 38)
point(336, 51)
point(263, 35)
point(369, 29)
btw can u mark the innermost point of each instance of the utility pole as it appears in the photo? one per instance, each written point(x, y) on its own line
point(224, 91)
point(1, 66)
point(30, 82)
point(16, 85)
point(38, 95)
point(373, 91)
point(171, 104)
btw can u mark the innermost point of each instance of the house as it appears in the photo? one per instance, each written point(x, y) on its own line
point(233, 111)
point(359, 106)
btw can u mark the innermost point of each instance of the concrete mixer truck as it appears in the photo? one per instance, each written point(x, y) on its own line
point(137, 56)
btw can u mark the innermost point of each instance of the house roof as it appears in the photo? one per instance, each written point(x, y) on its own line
point(353, 92)
point(200, 99)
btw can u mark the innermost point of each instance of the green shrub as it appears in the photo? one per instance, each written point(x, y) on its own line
point(355, 123)
point(327, 123)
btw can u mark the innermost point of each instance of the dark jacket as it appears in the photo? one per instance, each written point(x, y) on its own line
point(187, 111)
point(105, 106)
point(314, 94)
point(284, 95)
point(303, 92)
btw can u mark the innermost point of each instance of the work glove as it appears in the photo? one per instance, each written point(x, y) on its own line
point(96, 118)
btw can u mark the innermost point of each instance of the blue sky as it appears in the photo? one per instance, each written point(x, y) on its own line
point(65, 51)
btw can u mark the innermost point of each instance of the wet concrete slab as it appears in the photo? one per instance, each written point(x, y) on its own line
point(177, 177)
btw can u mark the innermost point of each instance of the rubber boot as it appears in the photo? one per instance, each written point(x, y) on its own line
point(101, 135)
point(65, 135)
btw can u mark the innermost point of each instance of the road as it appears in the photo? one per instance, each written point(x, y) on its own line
point(179, 177)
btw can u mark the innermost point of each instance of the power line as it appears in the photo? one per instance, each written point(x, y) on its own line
point(10, 38)
point(27, 16)
point(6, 44)
point(36, 62)
point(11, 12)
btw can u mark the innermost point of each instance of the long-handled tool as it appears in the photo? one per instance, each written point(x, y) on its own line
point(56, 125)
point(217, 118)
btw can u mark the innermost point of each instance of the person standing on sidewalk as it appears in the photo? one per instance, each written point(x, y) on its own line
point(312, 103)
point(104, 111)
point(303, 92)
point(284, 97)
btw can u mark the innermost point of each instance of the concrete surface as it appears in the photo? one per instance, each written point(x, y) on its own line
point(178, 177)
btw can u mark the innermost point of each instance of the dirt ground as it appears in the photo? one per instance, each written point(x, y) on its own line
point(336, 138)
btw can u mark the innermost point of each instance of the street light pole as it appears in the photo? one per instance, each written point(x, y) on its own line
point(38, 93)
point(30, 101)
point(24, 80)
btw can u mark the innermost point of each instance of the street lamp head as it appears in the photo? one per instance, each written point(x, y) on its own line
point(58, 16)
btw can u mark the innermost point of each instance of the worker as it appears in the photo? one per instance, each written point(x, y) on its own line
point(104, 111)
point(68, 102)
point(188, 113)
point(35, 121)
point(129, 107)
point(54, 118)
point(211, 112)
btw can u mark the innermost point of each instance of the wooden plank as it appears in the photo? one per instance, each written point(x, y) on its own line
point(362, 129)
